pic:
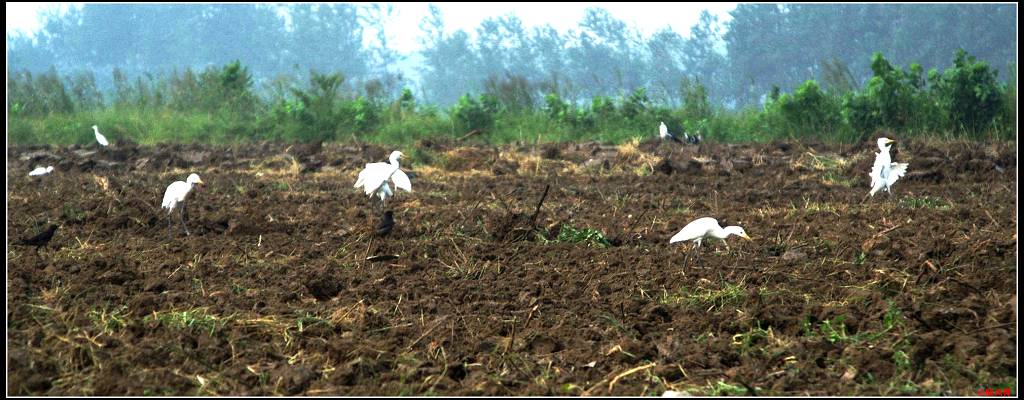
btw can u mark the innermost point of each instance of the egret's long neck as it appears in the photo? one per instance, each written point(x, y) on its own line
point(719, 233)
point(394, 163)
point(884, 154)
point(732, 230)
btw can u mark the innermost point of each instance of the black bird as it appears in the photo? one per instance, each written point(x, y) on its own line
point(40, 240)
point(386, 224)
point(693, 139)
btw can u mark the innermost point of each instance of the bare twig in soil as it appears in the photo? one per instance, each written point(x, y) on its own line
point(436, 324)
point(384, 257)
point(750, 389)
point(629, 228)
point(985, 328)
point(533, 218)
point(508, 346)
point(530, 316)
point(889, 229)
point(972, 287)
point(627, 373)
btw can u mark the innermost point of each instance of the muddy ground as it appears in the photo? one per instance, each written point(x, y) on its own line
point(272, 293)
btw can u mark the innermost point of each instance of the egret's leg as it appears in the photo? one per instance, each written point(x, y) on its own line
point(182, 214)
point(368, 217)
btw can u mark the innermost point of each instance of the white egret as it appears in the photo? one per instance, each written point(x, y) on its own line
point(99, 137)
point(707, 227)
point(175, 194)
point(885, 172)
point(375, 176)
point(41, 171)
point(667, 136)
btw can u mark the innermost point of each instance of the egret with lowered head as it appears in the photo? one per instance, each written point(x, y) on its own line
point(175, 195)
point(41, 171)
point(706, 228)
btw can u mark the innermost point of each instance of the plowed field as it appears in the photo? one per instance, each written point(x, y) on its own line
point(273, 293)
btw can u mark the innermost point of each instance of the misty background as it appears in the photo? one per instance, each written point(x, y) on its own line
point(738, 62)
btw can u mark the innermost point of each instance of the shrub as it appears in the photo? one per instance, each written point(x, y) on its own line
point(970, 92)
point(807, 112)
point(472, 114)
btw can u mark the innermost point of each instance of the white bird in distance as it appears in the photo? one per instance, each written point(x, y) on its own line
point(41, 171)
point(99, 137)
point(663, 132)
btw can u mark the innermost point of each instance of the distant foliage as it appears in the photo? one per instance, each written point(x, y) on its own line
point(513, 92)
point(965, 99)
point(970, 92)
point(894, 99)
point(219, 104)
point(738, 61)
point(807, 112)
point(475, 114)
point(43, 94)
point(235, 90)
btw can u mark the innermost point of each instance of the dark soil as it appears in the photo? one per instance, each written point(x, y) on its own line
point(272, 293)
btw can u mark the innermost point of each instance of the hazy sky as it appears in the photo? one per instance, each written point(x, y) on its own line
point(404, 26)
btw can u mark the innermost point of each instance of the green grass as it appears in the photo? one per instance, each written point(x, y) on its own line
point(280, 186)
point(834, 330)
point(423, 156)
point(198, 318)
point(924, 202)
point(107, 320)
point(72, 213)
point(721, 388)
point(162, 125)
point(143, 127)
point(836, 178)
point(753, 340)
point(592, 237)
point(708, 298)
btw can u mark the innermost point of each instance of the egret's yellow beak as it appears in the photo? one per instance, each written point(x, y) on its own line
point(199, 181)
point(890, 141)
point(745, 236)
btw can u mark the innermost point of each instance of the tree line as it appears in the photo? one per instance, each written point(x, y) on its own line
point(219, 104)
point(738, 63)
